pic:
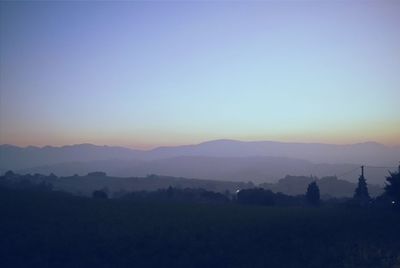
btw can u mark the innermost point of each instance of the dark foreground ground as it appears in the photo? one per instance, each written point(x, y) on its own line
point(58, 230)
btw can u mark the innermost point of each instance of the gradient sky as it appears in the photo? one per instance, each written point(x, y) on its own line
point(144, 74)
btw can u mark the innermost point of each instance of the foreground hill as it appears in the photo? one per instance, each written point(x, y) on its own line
point(40, 229)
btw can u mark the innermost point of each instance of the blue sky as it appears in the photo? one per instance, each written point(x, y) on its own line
point(144, 74)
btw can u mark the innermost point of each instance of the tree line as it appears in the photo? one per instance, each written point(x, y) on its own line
point(361, 197)
point(248, 196)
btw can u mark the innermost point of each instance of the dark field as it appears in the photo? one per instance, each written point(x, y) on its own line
point(50, 229)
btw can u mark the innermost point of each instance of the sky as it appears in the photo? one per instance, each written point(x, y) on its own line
point(146, 74)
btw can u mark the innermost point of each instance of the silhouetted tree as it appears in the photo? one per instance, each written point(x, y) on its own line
point(312, 194)
point(9, 174)
point(392, 188)
point(256, 196)
point(170, 192)
point(100, 194)
point(97, 174)
point(361, 195)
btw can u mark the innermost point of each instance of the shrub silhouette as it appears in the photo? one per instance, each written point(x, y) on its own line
point(97, 174)
point(100, 194)
point(256, 196)
point(312, 194)
point(392, 188)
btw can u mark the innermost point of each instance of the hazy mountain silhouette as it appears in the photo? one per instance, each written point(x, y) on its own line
point(262, 161)
point(256, 169)
point(14, 157)
point(369, 153)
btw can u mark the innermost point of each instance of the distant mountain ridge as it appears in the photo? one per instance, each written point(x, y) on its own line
point(260, 161)
point(14, 157)
point(369, 153)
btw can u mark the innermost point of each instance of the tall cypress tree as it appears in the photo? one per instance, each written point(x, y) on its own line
point(361, 194)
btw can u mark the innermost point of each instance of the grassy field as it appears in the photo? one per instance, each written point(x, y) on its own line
point(59, 230)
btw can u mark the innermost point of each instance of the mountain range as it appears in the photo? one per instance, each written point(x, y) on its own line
point(258, 161)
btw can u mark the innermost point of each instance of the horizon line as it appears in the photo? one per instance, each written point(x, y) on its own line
point(191, 144)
